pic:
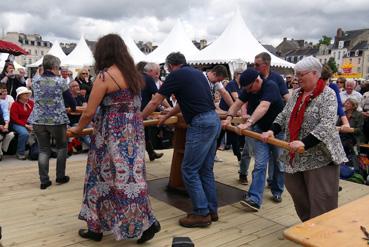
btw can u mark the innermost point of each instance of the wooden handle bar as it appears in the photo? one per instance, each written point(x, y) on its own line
point(255, 135)
point(149, 122)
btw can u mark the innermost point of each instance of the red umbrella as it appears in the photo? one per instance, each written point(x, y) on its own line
point(11, 48)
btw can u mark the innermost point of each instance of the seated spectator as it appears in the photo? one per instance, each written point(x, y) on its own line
point(341, 83)
point(80, 102)
point(64, 72)
point(350, 141)
point(12, 81)
point(84, 78)
point(350, 92)
point(19, 113)
point(83, 92)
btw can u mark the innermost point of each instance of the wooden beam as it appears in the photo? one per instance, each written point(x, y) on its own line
point(255, 135)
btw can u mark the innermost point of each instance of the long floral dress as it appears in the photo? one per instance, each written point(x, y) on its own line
point(115, 196)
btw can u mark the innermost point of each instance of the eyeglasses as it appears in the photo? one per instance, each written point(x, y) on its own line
point(301, 74)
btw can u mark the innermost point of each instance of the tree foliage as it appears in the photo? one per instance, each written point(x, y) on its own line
point(332, 64)
point(325, 40)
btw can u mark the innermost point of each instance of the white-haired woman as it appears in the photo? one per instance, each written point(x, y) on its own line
point(309, 120)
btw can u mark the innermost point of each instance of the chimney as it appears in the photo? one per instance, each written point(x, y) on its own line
point(284, 39)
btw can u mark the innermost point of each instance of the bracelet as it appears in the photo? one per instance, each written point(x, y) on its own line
point(229, 115)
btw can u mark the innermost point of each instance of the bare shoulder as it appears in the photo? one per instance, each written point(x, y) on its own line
point(115, 77)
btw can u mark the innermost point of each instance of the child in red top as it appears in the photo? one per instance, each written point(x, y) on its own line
point(19, 113)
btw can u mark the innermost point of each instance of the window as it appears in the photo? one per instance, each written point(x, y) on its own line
point(367, 69)
point(358, 69)
point(29, 61)
point(42, 53)
point(35, 52)
point(340, 44)
point(339, 55)
point(359, 60)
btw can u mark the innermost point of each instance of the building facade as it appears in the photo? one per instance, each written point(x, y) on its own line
point(32, 43)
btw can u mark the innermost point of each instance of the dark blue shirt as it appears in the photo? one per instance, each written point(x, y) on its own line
point(277, 78)
point(148, 91)
point(268, 92)
point(191, 89)
point(231, 87)
point(340, 111)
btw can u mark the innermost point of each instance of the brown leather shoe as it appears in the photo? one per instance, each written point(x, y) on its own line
point(192, 220)
point(214, 217)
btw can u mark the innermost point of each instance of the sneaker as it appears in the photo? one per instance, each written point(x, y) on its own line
point(20, 156)
point(216, 159)
point(277, 198)
point(62, 180)
point(246, 202)
point(45, 185)
point(193, 220)
point(243, 179)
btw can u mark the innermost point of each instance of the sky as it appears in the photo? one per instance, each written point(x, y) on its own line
point(151, 20)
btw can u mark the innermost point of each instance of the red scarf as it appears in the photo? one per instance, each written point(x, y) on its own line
point(297, 114)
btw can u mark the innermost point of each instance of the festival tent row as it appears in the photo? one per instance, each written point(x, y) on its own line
point(177, 40)
point(81, 55)
point(136, 53)
point(236, 46)
point(55, 50)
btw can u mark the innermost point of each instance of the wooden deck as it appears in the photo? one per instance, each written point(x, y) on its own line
point(31, 217)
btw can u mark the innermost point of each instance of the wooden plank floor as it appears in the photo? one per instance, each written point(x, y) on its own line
point(31, 217)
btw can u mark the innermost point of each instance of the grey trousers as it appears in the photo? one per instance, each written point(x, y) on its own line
point(44, 134)
point(314, 192)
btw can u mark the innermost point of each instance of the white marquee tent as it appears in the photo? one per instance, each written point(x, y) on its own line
point(55, 50)
point(136, 53)
point(176, 41)
point(235, 46)
point(80, 56)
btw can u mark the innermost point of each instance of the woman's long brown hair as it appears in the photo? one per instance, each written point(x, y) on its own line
point(111, 50)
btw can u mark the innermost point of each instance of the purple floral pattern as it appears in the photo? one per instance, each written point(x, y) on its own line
point(115, 196)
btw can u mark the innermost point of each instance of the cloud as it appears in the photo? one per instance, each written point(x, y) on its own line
point(148, 20)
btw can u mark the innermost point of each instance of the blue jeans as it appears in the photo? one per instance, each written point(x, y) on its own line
point(247, 152)
point(22, 137)
point(198, 162)
point(265, 153)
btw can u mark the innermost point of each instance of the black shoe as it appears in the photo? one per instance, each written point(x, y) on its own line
point(154, 156)
point(246, 202)
point(243, 179)
point(0, 233)
point(84, 233)
point(45, 185)
point(277, 198)
point(149, 233)
point(62, 180)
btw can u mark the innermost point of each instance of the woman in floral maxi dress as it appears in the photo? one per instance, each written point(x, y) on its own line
point(115, 196)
